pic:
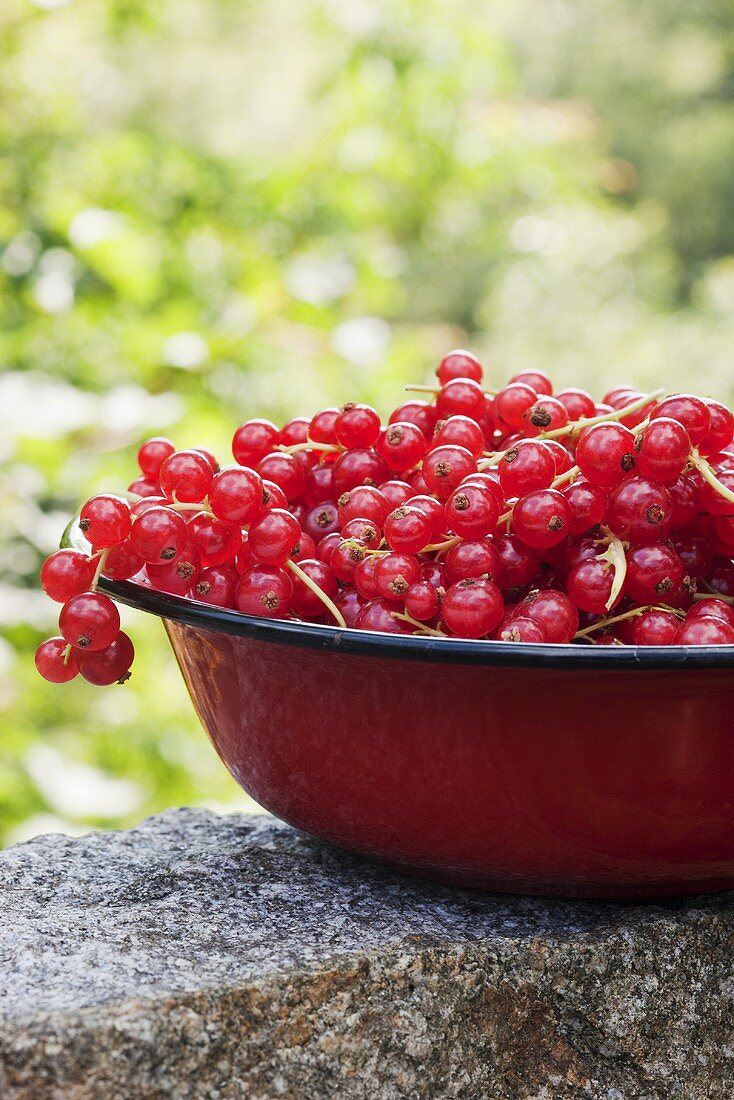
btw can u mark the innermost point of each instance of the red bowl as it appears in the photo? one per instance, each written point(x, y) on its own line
point(535, 769)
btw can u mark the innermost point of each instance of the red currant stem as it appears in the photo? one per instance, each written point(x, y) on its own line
point(617, 558)
point(567, 475)
point(610, 620)
point(491, 458)
point(708, 475)
point(203, 506)
point(318, 592)
point(67, 653)
point(712, 593)
point(309, 446)
point(355, 544)
point(101, 562)
point(586, 422)
point(506, 517)
point(406, 618)
point(441, 545)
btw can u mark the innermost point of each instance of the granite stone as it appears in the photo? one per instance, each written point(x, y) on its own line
point(233, 957)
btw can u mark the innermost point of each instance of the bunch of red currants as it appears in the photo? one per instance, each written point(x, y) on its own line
point(516, 515)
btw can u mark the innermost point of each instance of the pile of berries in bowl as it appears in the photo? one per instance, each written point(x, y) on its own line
point(515, 515)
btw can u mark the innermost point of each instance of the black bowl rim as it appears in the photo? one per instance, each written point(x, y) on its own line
point(204, 616)
point(373, 643)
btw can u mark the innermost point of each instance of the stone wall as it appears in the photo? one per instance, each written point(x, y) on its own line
point(204, 956)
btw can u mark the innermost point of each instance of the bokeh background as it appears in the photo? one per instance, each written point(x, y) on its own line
point(213, 209)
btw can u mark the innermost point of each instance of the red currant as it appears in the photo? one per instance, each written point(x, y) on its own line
point(67, 573)
point(54, 663)
point(472, 608)
point(89, 621)
point(459, 364)
point(236, 495)
point(158, 534)
point(357, 426)
point(153, 454)
point(186, 476)
point(253, 440)
point(108, 666)
point(401, 445)
point(264, 590)
point(105, 520)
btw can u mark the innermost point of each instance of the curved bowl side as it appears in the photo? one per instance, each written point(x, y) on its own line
point(592, 782)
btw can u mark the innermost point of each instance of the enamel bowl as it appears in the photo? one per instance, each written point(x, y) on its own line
point(536, 769)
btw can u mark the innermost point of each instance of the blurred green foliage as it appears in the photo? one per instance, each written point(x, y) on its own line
point(211, 209)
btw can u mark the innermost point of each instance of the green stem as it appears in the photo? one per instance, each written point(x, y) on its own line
point(707, 473)
point(406, 618)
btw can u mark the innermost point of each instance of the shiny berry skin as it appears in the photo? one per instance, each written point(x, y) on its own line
point(662, 450)
point(711, 608)
point(209, 456)
point(490, 481)
point(304, 548)
point(652, 573)
point(322, 520)
point(589, 585)
point(539, 381)
point(721, 430)
point(294, 432)
point(588, 504)
point(146, 503)
point(689, 411)
point(253, 440)
point(462, 431)
point(363, 502)
point(305, 602)
point(459, 364)
point(708, 631)
point(144, 487)
point(518, 563)
point(319, 484)
point(322, 428)
point(473, 558)
point(105, 520)
point(108, 666)
point(122, 562)
point(89, 621)
point(358, 467)
point(554, 612)
point(445, 467)
point(350, 602)
point(50, 662)
point(216, 585)
point(518, 628)
point(395, 574)
point(378, 615)
point(471, 512)
point(345, 558)
point(605, 454)
point(216, 542)
point(357, 426)
point(158, 535)
point(710, 500)
point(545, 415)
point(578, 403)
point(401, 445)
point(561, 457)
point(420, 413)
point(264, 590)
point(364, 578)
point(408, 529)
point(395, 493)
point(527, 466)
point(460, 397)
point(640, 511)
point(364, 530)
point(655, 627)
point(176, 576)
point(285, 470)
point(434, 510)
point(513, 402)
point(694, 551)
point(67, 573)
point(273, 535)
point(186, 476)
point(423, 601)
point(273, 496)
point(325, 546)
point(153, 454)
point(236, 495)
point(542, 518)
point(684, 495)
point(472, 608)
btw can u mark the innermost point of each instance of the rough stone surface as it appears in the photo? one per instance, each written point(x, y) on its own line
point(233, 957)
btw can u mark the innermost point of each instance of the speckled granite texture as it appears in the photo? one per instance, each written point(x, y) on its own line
point(204, 956)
